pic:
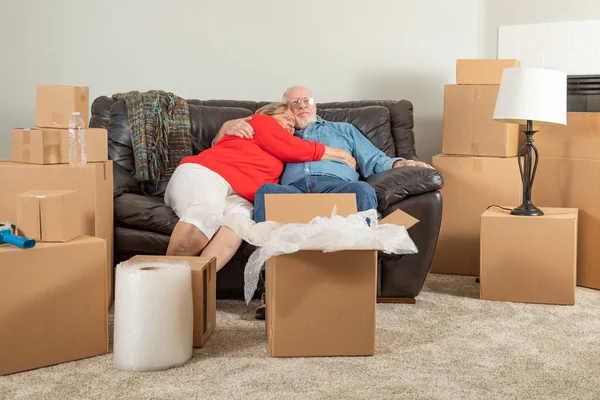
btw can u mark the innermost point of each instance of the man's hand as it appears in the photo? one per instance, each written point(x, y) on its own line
point(411, 163)
point(236, 127)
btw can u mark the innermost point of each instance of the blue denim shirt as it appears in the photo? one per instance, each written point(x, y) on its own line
point(369, 159)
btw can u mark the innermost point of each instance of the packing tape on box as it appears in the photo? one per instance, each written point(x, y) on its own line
point(477, 165)
point(153, 320)
point(327, 234)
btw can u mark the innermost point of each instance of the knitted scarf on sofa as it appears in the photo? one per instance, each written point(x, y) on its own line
point(159, 124)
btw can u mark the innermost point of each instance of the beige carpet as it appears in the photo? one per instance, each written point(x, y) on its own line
point(450, 345)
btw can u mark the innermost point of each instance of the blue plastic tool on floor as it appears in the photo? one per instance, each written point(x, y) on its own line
point(7, 235)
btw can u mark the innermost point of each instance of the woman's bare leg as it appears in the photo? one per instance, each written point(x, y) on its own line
point(186, 240)
point(223, 246)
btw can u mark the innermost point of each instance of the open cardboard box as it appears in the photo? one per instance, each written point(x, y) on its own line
point(321, 304)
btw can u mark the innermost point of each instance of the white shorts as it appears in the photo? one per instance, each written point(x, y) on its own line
point(201, 197)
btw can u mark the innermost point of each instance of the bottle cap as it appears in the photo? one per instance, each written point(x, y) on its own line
point(75, 113)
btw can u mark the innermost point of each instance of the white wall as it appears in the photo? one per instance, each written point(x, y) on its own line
point(572, 47)
point(341, 49)
point(516, 12)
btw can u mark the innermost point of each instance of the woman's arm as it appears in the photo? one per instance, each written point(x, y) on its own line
point(332, 153)
point(275, 140)
point(278, 142)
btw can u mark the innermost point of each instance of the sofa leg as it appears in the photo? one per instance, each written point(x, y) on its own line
point(397, 300)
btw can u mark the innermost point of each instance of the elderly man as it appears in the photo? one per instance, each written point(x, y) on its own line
point(321, 176)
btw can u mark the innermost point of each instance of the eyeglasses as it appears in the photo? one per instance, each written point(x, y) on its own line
point(307, 100)
point(287, 117)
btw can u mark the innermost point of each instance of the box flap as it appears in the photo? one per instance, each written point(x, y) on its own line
point(400, 218)
point(301, 208)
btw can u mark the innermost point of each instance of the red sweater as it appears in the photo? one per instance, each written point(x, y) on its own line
point(246, 164)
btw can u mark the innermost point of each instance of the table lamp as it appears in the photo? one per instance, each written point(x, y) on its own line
point(528, 96)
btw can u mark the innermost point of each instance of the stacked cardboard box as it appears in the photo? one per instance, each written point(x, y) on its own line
point(478, 163)
point(54, 297)
point(568, 175)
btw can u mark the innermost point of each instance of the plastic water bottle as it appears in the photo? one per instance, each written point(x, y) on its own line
point(77, 154)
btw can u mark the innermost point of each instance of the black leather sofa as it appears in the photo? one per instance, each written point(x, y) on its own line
point(143, 223)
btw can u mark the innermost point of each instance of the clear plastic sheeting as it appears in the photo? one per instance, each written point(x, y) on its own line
point(153, 327)
point(327, 234)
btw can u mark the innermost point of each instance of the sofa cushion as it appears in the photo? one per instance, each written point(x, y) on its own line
point(146, 213)
point(372, 121)
point(207, 120)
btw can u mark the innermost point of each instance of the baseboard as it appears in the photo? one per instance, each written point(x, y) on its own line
point(396, 300)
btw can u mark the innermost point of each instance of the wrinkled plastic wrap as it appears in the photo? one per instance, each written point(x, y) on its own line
point(328, 234)
point(153, 327)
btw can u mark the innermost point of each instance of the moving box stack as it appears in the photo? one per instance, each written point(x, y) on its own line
point(478, 163)
point(568, 175)
point(54, 297)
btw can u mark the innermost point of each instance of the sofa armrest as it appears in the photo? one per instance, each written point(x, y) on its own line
point(398, 183)
point(124, 182)
point(146, 213)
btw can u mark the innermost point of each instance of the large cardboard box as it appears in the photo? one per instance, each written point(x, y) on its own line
point(321, 304)
point(580, 138)
point(94, 182)
point(529, 259)
point(471, 185)
point(562, 182)
point(51, 146)
point(482, 71)
point(468, 125)
point(204, 288)
point(54, 105)
point(52, 303)
point(49, 215)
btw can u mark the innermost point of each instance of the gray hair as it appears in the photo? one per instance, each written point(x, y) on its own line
point(288, 89)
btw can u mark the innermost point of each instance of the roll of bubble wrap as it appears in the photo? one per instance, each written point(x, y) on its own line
point(153, 320)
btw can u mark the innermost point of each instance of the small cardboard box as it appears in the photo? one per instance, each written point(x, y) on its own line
point(580, 138)
point(529, 259)
point(51, 146)
point(482, 71)
point(52, 303)
point(49, 215)
point(94, 182)
point(54, 105)
point(321, 304)
point(468, 125)
point(471, 185)
point(574, 183)
point(204, 288)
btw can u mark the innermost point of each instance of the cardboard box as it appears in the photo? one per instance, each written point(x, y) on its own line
point(529, 259)
point(49, 215)
point(54, 105)
point(482, 72)
point(580, 138)
point(471, 185)
point(94, 182)
point(468, 125)
point(52, 304)
point(562, 182)
point(51, 146)
point(204, 288)
point(321, 304)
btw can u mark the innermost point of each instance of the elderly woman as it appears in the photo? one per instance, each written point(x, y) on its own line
point(223, 180)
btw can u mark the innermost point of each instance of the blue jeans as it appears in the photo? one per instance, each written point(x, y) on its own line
point(365, 194)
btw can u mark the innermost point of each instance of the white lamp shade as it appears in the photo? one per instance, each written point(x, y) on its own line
point(535, 94)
